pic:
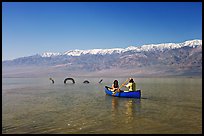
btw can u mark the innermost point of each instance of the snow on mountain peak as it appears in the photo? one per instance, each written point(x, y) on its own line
point(192, 43)
point(147, 47)
point(73, 52)
point(49, 54)
point(131, 48)
point(162, 46)
point(93, 51)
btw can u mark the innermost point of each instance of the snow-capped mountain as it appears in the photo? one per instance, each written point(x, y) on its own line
point(163, 46)
point(93, 51)
point(49, 54)
point(149, 47)
point(153, 59)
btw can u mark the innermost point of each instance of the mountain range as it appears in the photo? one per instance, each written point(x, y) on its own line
point(165, 59)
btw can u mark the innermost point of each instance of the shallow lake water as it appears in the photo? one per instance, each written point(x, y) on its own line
point(35, 105)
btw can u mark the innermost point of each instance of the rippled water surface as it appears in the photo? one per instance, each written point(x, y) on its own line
point(35, 105)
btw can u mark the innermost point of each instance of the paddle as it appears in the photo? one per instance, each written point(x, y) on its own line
point(124, 83)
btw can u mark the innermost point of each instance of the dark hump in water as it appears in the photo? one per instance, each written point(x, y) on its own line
point(100, 81)
point(86, 82)
point(52, 80)
point(71, 79)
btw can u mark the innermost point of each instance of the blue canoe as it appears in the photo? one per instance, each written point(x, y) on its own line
point(134, 94)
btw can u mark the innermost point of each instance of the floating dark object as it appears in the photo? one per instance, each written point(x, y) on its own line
point(100, 81)
point(52, 80)
point(69, 79)
point(86, 81)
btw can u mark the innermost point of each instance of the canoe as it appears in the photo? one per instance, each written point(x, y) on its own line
point(133, 94)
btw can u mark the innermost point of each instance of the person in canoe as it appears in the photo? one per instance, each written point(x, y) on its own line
point(131, 86)
point(115, 86)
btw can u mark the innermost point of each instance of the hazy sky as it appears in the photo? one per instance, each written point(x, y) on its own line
point(36, 27)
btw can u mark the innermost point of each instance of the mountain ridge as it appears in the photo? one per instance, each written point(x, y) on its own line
point(146, 47)
point(152, 60)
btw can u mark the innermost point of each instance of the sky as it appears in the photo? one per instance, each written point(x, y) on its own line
point(29, 28)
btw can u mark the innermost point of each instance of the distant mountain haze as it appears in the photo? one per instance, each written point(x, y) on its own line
point(166, 59)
